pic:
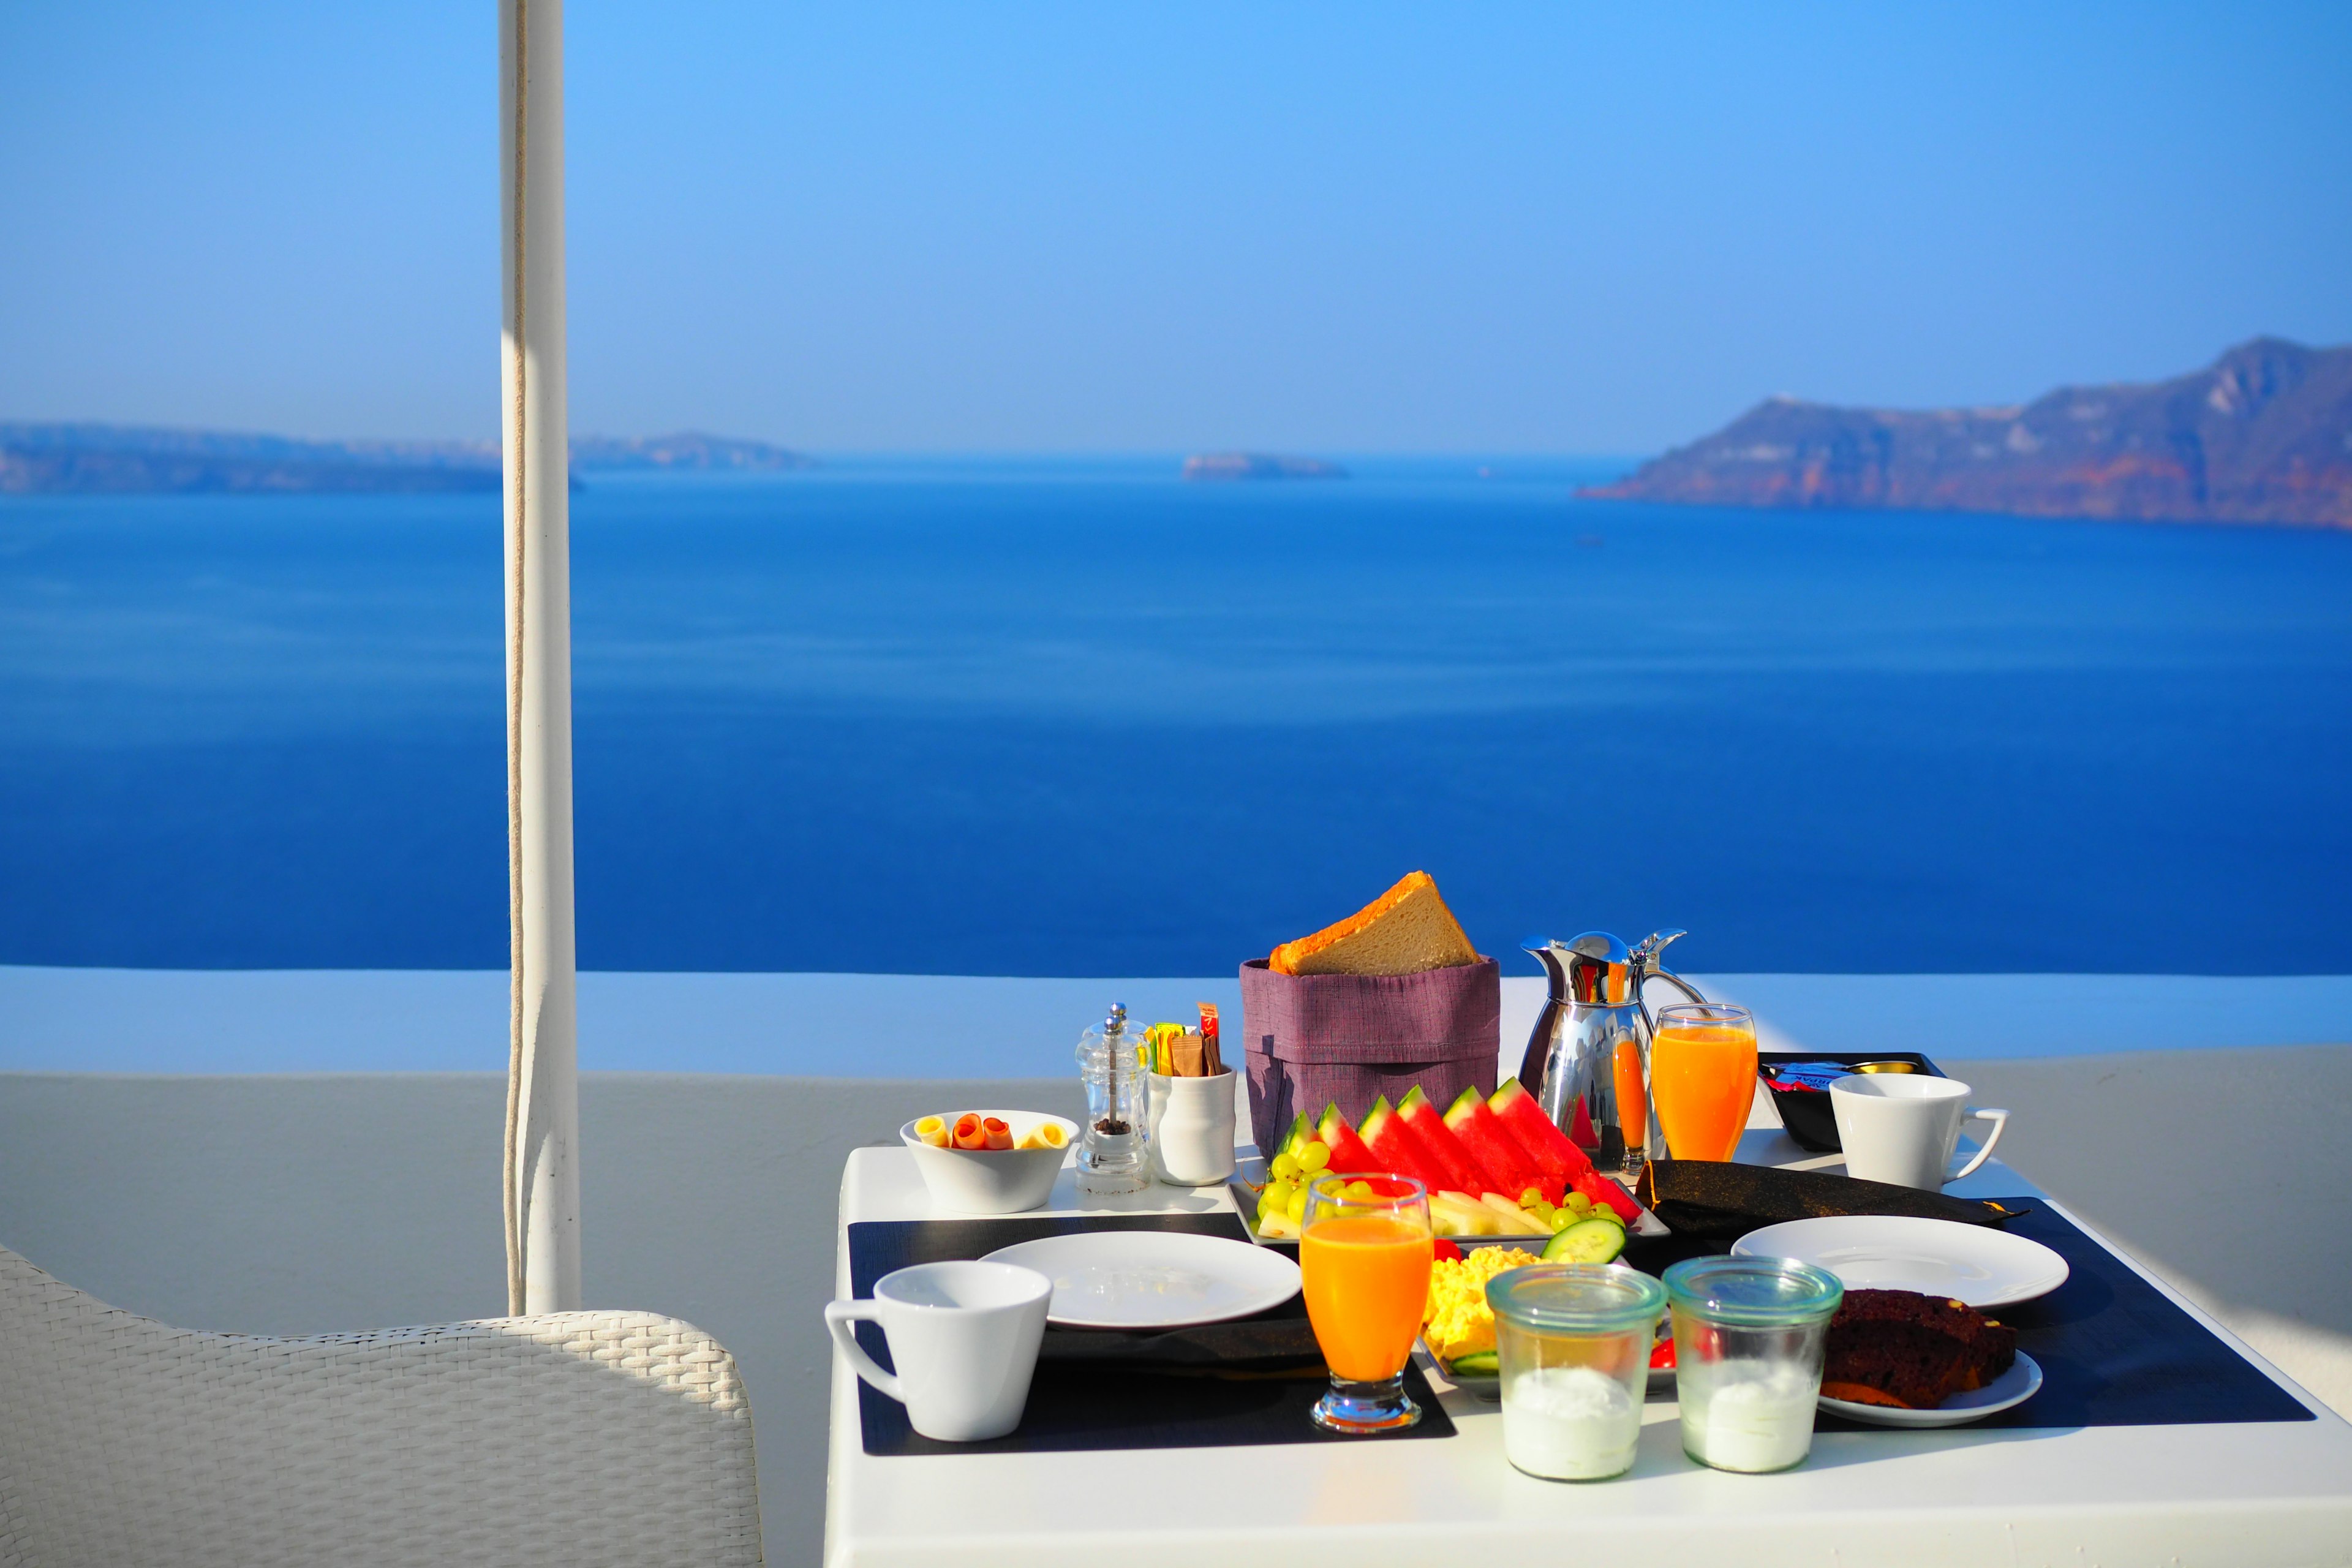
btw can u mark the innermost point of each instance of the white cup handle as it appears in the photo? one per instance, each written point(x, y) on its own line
point(1999, 1120)
point(838, 1317)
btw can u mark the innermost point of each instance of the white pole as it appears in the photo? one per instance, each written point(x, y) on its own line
point(542, 1173)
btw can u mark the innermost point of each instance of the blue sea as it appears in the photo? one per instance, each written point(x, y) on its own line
point(1077, 718)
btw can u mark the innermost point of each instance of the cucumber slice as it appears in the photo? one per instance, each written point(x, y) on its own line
point(1477, 1363)
point(1586, 1241)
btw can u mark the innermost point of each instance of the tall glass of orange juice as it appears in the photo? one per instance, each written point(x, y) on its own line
point(1703, 1077)
point(1364, 1254)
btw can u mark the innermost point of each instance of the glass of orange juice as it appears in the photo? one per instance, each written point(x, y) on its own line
point(1364, 1255)
point(1703, 1077)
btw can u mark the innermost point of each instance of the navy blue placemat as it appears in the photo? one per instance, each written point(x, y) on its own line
point(2115, 1350)
point(1077, 1405)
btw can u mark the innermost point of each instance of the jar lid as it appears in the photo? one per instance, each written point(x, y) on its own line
point(1576, 1298)
point(1761, 1292)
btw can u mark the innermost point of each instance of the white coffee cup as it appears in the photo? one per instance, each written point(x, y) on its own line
point(964, 1336)
point(1192, 1123)
point(1902, 1128)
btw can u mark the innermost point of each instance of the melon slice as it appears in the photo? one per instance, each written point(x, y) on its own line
point(1482, 1132)
point(1517, 1221)
point(1547, 1145)
point(1395, 1147)
point(1348, 1155)
point(1453, 1214)
point(1454, 1162)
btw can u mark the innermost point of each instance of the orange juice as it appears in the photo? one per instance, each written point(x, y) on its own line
point(1704, 1079)
point(1633, 1100)
point(1366, 1280)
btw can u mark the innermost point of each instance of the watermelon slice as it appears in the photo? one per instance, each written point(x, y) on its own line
point(1602, 1190)
point(1349, 1155)
point(1459, 1167)
point(1391, 1143)
point(1547, 1145)
point(1302, 1131)
point(1482, 1132)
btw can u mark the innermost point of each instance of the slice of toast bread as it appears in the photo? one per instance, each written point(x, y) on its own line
point(1405, 930)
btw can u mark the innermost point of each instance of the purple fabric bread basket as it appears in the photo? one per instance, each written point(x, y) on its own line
point(1347, 1040)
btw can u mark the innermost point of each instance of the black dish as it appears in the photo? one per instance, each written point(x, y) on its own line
point(1806, 1112)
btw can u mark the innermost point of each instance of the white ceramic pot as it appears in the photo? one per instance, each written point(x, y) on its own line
point(991, 1181)
point(1192, 1123)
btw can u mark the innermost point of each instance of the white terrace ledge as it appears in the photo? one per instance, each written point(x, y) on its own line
point(168, 1144)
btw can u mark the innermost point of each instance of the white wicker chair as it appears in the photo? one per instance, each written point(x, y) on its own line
point(575, 1439)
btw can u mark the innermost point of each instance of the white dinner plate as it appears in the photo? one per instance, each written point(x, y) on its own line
point(1970, 1263)
point(1153, 1278)
point(2015, 1386)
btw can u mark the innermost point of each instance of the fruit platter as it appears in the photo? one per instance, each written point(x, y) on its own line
point(1494, 1166)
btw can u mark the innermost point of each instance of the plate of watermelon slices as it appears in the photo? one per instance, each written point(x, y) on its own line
point(1493, 1165)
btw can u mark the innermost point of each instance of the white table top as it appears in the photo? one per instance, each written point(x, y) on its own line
point(2251, 1494)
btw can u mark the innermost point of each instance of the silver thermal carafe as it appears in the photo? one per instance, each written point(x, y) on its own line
point(1594, 1013)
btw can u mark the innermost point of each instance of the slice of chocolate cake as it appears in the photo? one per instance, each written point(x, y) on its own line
point(1903, 1349)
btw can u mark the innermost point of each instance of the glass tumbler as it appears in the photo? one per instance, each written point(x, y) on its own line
point(1749, 1337)
point(1573, 1340)
point(1703, 1077)
point(1364, 1254)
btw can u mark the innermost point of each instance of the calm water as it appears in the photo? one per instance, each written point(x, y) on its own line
point(1080, 719)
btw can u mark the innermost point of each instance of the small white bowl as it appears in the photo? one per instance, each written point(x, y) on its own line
point(991, 1181)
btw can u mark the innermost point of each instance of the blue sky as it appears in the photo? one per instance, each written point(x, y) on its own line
point(1043, 227)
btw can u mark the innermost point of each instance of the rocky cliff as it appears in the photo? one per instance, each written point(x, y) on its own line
point(2264, 435)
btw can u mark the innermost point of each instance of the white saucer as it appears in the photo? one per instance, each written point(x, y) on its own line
point(1153, 1278)
point(1970, 1263)
point(2015, 1386)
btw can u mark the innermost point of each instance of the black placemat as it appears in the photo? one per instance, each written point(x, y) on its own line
point(2115, 1350)
point(1076, 1402)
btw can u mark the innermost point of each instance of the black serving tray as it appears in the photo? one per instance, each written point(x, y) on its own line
point(1806, 1114)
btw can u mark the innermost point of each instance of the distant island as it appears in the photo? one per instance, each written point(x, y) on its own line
point(1216, 466)
point(2264, 435)
point(85, 458)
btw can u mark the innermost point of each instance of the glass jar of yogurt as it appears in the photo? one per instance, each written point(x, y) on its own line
point(1572, 1343)
point(1749, 1337)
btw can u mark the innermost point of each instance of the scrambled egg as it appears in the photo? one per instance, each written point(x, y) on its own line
point(1457, 1322)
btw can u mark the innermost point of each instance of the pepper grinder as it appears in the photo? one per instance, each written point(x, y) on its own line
point(1113, 1152)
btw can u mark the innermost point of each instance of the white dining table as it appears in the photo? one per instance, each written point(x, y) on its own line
point(2246, 1495)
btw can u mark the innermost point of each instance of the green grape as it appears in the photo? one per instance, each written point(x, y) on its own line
point(1559, 1219)
point(1269, 1201)
point(1360, 1190)
point(1297, 1206)
point(1284, 1166)
point(1313, 1158)
point(1578, 1204)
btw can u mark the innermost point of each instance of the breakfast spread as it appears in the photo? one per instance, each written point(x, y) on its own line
point(1378, 1204)
point(1911, 1351)
point(1406, 931)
